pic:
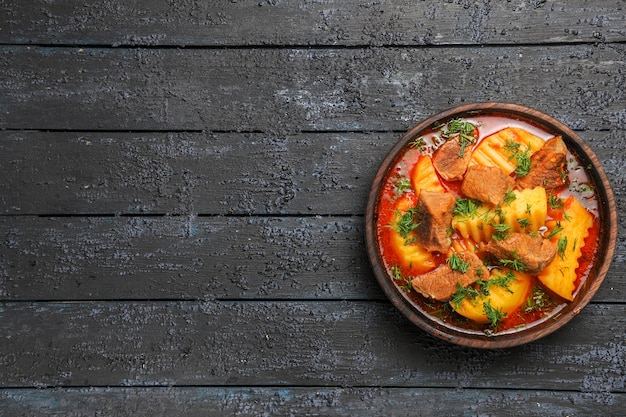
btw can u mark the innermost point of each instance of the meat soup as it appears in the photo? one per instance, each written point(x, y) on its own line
point(488, 223)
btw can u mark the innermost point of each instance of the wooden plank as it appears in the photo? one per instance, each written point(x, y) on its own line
point(52, 173)
point(330, 22)
point(188, 258)
point(184, 258)
point(289, 90)
point(284, 401)
point(188, 173)
point(290, 343)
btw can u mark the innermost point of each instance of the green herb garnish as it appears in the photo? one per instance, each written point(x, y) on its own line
point(522, 158)
point(403, 184)
point(508, 197)
point(539, 300)
point(554, 231)
point(562, 246)
point(418, 143)
point(457, 264)
point(555, 202)
point(463, 129)
point(495, 315)
point(406, 223)
point(461, 293)
point(466, 207)
point(502, 231)
point(513, 263)
point(523, 163)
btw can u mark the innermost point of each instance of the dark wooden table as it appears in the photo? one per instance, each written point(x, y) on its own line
point(182, 197)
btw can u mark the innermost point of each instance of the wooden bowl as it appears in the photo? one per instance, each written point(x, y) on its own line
point(583, 294)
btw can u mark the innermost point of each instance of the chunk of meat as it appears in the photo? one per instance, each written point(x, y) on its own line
point(487, 184)
point(447, 161)
point(533, 252)
point(547, 166)
point(441, 283)
point(434, 217)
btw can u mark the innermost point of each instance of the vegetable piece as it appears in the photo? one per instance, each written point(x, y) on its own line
point(560, 275)
point(500, 149)
point(413, 258)
point(530, 206)
point(525, 212)
point(504, 292)
point(476, 222)
point(423, 176)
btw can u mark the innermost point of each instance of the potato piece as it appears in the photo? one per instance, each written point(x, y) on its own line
point(560, 275)
point(527, 212)
point(478, 225)
point(424, 177)
point(492, 150)
point(506, 299)
point(413, 258)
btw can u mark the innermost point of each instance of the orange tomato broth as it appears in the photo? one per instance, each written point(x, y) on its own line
point(387, 205)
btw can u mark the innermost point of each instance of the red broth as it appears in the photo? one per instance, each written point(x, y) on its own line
point(541, 303)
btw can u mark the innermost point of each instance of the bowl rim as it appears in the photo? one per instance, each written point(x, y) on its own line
point(607, 238)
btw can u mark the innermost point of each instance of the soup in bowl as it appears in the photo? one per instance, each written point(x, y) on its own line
point(490, 225)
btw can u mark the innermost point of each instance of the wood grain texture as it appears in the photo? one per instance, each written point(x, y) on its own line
point(212, 173)
point(350, 343)
point(330, 22)
point(188, 258)
point(182, 198)
point(290, 90)
point(305, 401)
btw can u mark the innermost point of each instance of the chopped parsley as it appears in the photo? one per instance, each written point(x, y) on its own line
point(555, 202)
point(522, 158)
point(418, 143)
point(513, 263)
point(500, 280)
point(457, 264)
point(554, 231)
point(463, 129)
point(462, 293)
point(523, 222)
point(508, 197)
point(502, 231)
point(406, 223)
point(466, 207)
point(403, 184)
point(523, 163)
point(538, 301)
point(562, 246)
point(403, 282)
point(494, 315)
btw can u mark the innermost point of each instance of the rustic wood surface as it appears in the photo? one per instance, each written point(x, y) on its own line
point(183, 190)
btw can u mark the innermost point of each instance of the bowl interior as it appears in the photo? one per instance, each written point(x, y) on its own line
point(584, 293)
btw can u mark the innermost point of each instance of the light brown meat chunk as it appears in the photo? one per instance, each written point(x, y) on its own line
point(434, 216)
point(533, 252)
point(487, 184)
point(441, 283)
point(547, 166)
point(447, 161)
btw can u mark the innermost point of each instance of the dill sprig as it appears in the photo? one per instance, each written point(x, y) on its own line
point(463, 129)
point(494, 315)
point(406, 222)
point(466, 207)
point(457, 264)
